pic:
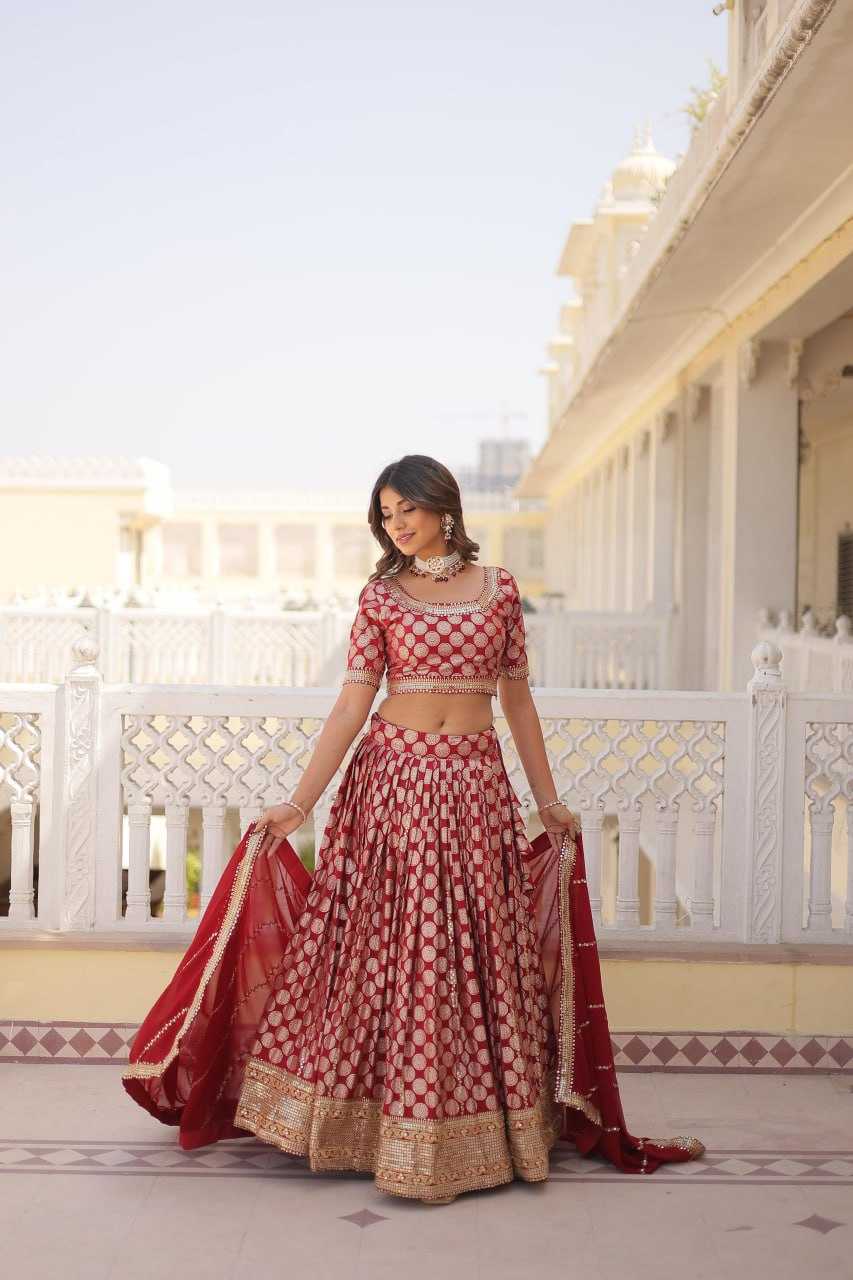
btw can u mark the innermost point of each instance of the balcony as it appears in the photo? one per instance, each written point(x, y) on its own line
point(708, 818)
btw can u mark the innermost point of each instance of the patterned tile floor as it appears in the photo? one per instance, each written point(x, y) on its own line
point(91, 1186)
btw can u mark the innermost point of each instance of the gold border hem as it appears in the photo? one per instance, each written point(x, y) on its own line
point(418, 1159)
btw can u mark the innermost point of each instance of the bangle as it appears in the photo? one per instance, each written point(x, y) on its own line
point(549, 805)
point(297, 807)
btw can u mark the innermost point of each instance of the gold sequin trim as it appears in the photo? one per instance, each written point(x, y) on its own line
point(565, 1037)
point(441, 684)
point(520, 672)
point(149, 1070)
point(359, 675)
point(413, 605)
point(425, 1159)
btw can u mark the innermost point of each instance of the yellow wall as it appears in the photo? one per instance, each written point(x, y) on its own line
point(61, 539)
point(97, 985)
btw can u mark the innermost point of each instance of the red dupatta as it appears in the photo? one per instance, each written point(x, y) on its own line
point(186, 1062)
point(586, 1075)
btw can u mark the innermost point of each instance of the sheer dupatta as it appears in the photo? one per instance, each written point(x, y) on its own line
point(187, 1061)
point(586, 1075)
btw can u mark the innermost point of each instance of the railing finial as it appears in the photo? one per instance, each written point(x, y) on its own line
point(86, 651)
point(767, 661)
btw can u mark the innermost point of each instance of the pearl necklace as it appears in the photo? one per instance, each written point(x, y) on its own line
point(439, 568)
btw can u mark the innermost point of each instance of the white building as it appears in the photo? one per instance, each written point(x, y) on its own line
point(112, 526)
point(700, 455)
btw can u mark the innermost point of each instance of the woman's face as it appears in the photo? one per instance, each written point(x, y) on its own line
point(410, 527)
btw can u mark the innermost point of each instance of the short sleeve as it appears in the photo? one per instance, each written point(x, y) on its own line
point(514, 665)
point(366, 652)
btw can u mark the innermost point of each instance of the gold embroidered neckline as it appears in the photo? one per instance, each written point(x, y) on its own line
point(484, 599)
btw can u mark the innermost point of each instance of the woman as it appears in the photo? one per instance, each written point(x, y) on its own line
point(427, 1006)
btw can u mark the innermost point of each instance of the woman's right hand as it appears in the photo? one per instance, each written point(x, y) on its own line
point(280, 819)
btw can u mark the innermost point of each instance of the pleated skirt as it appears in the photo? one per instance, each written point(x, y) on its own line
point(408, 1031)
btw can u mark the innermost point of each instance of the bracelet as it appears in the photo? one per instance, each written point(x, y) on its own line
point(549, 805)
point(297, 807)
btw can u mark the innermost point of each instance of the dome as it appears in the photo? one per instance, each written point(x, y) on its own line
point(643, 173)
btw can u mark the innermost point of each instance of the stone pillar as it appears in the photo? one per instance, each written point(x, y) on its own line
point(619, 561)
point(267, 567)
point(584, 580)
point(210, 554)
point(638, 520)
point(663, 493)
point(599, 556)
point(759, 499)
point(695, 517)
point(614, 550)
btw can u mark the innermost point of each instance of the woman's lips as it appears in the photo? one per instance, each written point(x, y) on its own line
point(404, 537)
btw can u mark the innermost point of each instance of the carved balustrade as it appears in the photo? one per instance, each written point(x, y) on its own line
point(707, 817)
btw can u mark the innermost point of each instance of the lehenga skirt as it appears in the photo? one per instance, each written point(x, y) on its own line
point(426, 1006)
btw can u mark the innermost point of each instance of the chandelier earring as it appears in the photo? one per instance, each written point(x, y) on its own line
point(447, 525)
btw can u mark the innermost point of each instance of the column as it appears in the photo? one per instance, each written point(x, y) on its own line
point(599, 558)
point(662, 513)
point(758, 559)
point(614, 550)
point(695, 520)
point(210, 554)
point(267, 567)
point(638, 518)
point(586, 598)
point(619, 582)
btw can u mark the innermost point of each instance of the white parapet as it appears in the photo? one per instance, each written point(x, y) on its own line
point(707, 817)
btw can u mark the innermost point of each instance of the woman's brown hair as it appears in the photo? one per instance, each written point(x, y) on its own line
point(428, 484)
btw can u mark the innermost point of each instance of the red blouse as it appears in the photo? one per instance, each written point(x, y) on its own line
point(461, 646)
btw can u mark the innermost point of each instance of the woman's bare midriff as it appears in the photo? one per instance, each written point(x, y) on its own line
point(438, 712)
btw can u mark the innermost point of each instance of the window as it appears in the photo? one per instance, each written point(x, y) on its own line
point(182, 550)
point(352, 549)
point(294, 550)
point(238, 550)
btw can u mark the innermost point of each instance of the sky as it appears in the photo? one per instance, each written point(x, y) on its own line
point(278, 245)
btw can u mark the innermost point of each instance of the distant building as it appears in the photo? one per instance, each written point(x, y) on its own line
point(113, 527)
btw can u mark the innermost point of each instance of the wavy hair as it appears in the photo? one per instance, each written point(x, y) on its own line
point(428, 484)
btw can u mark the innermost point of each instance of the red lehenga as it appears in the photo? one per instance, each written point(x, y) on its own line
point(426, 1006)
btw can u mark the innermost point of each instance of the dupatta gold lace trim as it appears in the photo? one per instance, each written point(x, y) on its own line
point(150, 1070)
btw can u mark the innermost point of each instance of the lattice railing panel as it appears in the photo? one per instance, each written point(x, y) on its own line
point(663, 781)
point(200, 760)
point(829, 801)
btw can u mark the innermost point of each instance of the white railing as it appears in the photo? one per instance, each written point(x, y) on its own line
point(814, 663)
point(168, 646)
point(707, 817)
point(570, 649)
point(232, 646)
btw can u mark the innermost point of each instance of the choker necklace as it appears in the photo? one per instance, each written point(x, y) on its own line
point(439, 568)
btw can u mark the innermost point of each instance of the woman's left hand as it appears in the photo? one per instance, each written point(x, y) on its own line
point(559, 820)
